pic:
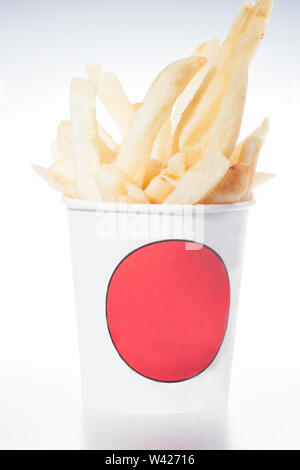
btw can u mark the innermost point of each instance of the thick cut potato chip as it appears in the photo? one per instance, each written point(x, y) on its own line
point(199, 180)
point(136, 195)
point(232, 187)
point(113, 97)
point(136, 148)
point(84, 137)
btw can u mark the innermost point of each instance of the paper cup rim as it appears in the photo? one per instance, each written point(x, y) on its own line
point(117, 207)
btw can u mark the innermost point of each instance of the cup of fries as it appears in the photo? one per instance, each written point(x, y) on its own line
point(158, 224)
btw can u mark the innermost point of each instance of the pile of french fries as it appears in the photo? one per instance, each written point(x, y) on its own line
point(180, 144)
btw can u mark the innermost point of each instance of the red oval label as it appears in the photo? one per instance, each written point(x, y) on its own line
point(167, 309)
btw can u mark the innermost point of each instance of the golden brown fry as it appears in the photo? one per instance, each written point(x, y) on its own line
point(136, 148)
point(231, 188)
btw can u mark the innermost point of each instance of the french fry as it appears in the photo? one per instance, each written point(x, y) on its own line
point(231, 188)
point(247, 31)
point(137, 105)
point(162, 145)
point(162, 148)
point(234, 157)
point(136, 147)
point(113, 97)
point(84, 138)
point(225, 132)
point(62, 185)
point(249, 42)
point(200, 179)
point(111, 183)
point(108, 141)
point(251, 149)
point(164, 183)
point(243, 40)
point(63, 169)
point(55, 152)
point(63, 147)
point(64, 141)
point(136, 195)
point(180, 144)
point(105, 144)
point(158, 190)
point(210, 50)
point(176, 167)
point(153, 169)
point(261, 178)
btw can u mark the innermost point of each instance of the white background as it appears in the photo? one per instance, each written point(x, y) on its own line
point(44, 44)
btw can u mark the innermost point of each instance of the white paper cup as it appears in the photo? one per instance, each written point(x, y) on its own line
point(157, 291)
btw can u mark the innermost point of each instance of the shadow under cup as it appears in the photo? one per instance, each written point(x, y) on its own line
point(156, 291)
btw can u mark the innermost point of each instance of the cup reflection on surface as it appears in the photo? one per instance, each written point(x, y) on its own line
point(201, 431)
